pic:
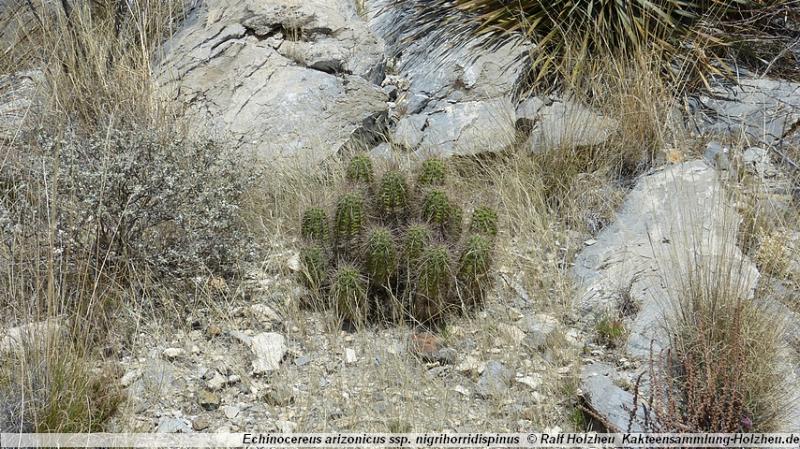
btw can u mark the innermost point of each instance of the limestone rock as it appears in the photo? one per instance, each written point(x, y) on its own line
point(765, 111)
point(18, 101)
point(280, 78)
point(672, 220)
point(494, 381)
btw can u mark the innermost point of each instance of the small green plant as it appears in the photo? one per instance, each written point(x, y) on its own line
point(315, 266)
point(381, 257)
point(473, 267)
point(393, 196)
point(417, 238)
point(432, 173)
point(349, 293)
point(407, 265)
point(484, 221)
point(441, 214)
point(360, 170)
point(349, 220)
point(610, 332)
point(433, 284)
point(315, 224)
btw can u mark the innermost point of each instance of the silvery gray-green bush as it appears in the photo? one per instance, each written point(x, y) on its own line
point(144, 199)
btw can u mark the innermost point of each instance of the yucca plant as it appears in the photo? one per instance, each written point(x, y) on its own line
point(314, 225)
point(349, 294)
point(360, 170)
point(560, 27)
point(433, 282)
point(473, 269)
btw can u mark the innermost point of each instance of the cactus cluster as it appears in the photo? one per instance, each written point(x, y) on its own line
point(397, 250)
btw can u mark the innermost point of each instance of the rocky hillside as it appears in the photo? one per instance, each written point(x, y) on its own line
point(635, 224)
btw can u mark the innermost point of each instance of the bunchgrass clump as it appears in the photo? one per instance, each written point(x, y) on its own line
point(409, 260)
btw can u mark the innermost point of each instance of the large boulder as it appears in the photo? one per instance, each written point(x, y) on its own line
point(673, 220)
point(278, 77)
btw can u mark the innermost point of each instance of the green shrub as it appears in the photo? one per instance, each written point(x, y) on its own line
point(141, 199)
point(408, 257)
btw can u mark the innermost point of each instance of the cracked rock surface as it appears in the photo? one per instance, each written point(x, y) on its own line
point(281, 78)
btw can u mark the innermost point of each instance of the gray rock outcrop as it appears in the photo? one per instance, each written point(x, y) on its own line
point(281, 78)
point(671, 221)
point(459, 104)
point(763, 111)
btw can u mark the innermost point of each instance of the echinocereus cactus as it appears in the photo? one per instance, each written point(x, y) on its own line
point(381, 256)
point(393, 195)
point(349, 221)
point(473, 269)
point(315, 266)
point(432, 173)
point(484, 221)
point(314, 225)
point(433, 282)
point(360, 170)
point(349, 294)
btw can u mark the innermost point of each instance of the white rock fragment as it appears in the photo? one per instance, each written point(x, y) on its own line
point(350, 356)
